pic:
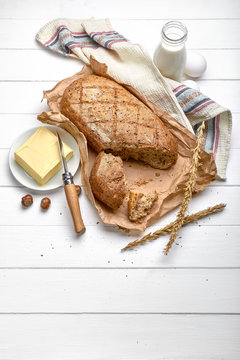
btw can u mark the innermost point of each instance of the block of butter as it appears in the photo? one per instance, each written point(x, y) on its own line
point(39, 155)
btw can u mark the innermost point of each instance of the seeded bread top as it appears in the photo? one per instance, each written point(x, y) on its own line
point(113, 119)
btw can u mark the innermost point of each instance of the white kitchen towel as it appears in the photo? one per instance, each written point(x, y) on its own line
point(130, 64)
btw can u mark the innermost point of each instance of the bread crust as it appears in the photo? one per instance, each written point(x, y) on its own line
point(107, 180)
point(114, 120)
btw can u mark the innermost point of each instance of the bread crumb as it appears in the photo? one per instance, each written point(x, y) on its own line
point(157, 174)
point(141, 182)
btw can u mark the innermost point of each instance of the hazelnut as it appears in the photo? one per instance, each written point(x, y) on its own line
point(27, 200)
point(79, 190)
point(45, 203)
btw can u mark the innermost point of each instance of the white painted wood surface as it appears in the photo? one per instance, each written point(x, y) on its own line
point(119, 336)
point(66, 298)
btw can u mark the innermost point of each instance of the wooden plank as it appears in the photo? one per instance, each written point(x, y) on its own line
point(153, 10)
point(27, 96)
point(14, 125)
point(221, 64)
point(120, 290)
point(92, 337)
point(135, 336)
point(24, 97)
point(233, 176)
point(144, 32)
point(235, 142)
point(54, 67)
point(148, 33)
point(58, 213)
point(225, 93)
point(196, 246)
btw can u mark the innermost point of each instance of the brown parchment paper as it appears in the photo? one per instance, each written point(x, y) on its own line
point(140, 177)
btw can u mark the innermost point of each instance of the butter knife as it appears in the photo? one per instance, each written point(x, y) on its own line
point(71, 192)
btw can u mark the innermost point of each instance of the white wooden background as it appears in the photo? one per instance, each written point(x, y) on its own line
point(63, 297)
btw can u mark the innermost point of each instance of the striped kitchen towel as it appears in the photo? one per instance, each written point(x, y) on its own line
point(198, 107)
point(130, 64)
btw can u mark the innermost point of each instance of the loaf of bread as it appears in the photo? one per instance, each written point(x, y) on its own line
point(114, 120)
point(139, 205)
point(107, 180)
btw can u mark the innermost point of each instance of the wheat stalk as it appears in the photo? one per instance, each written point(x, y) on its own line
point(188, 189)
point(168, 228)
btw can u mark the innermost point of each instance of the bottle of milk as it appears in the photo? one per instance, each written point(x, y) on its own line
point(170, 55)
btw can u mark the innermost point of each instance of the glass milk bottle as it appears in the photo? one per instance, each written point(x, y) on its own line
point(170, 55)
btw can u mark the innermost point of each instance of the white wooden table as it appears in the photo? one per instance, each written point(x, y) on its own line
point(63, 297)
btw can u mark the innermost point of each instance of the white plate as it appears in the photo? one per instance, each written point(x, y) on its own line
point(56, 181)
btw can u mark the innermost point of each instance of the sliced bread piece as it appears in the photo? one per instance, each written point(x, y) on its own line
point(139, 205)
point(107, 180)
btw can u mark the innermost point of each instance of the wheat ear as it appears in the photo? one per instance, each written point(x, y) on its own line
point(168, 228)
point(188, 189)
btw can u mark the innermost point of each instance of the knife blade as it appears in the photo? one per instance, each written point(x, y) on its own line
point(70, 191)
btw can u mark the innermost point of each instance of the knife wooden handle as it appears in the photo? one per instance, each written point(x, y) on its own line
point(73, 203)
